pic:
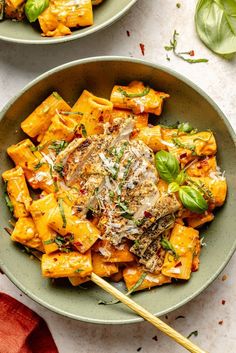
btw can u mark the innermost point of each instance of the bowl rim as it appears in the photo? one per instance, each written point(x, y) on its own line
point(187, 81)
point(63, 39)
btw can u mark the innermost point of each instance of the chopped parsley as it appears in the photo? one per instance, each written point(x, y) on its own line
point(58, 146)
point(134, 95)
point(166, 244)
point(59, 169)
point(8, 202)
point(56, 95)
point(187, 146)
point(61, 208)
point(38, 165)
point(83, 130)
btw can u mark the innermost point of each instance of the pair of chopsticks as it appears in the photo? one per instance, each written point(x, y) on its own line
point(162, 326)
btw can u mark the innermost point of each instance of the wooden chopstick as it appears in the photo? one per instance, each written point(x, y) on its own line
point(162, 326)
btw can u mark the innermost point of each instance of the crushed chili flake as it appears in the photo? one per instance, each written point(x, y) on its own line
point(178, 264)
point(101, 119)
point(78, 135)
point(220, 322)
point(77, 243)
point(223, 302)
point(142, 47)
point(83, 191)
point(128, 33)
point(191, 53)
point(139, 349)
point(155, 338)
point(224, 278)
point(183, 155)
point(147, 214)
point(55, 259)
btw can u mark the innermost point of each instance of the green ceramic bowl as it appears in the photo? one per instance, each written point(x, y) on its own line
point(104, 15)
point(187, 103)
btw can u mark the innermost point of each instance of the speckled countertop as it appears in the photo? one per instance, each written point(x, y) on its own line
point(150, 22)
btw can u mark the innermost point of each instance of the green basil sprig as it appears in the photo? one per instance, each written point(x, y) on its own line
point(192, 199)
point(34, 8)
point(216, 25)
point(167, 166)
point(169, 170)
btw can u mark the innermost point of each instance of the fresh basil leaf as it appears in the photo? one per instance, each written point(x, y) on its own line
point(173, 187)
point(192, 199)
point(181, 177)
point(34, 8)
point(185, 127)
point(167, 166)
point(216, 25)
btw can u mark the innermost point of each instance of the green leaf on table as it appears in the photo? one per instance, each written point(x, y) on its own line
point(216, 25)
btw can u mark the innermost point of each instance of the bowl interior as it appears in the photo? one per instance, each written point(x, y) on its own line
point(187, 103)
point(24, 32)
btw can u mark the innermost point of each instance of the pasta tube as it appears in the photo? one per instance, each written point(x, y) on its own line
point(138, 98)
point(40, 211)
point(151, 136)
point(17, 191)
point(133, 274)
point(26, 233)
point(112, 254)
point(37, 123)
point(179, 265)
point(91, 112)
point(71, 264)
point(62, 220)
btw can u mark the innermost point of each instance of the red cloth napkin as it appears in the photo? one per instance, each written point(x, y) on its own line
point(22, 330)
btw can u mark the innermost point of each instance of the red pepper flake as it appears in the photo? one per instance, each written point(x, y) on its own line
point(155, 338)
point(83, 191)
point(78, 135)
point(55, 178)
point(55, 259)
point(77, 243)
point(101, 119)
point(147, 214)
point(178, 264)
point(220, 322)
point(223, 302)
point(139, 349)
point(183, 155)
point(191, 53)
point(142, 47)
point(128, 33)
point(224, 278)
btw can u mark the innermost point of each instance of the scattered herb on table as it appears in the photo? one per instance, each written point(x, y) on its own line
point(180, 317)
point(182, 55)
point(194, 333)
point(178, 5)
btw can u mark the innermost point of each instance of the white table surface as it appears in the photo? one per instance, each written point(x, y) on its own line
point(150, 22)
